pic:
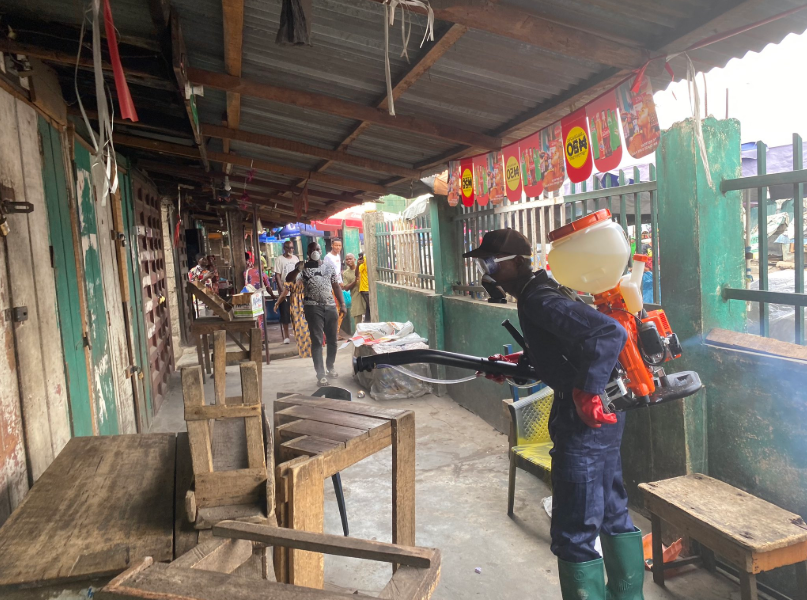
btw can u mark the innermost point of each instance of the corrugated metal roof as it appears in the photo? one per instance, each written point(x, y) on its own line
point(484, 83)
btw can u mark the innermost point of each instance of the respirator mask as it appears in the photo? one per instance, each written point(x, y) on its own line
point(315, 255)
point(487, 268)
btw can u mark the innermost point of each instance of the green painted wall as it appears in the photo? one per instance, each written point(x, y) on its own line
point(399, 303)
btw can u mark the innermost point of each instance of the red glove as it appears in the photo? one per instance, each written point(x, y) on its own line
point(590, 410)
point(510, 358)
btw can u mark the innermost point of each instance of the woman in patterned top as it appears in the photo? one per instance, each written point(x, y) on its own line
point(322, 292)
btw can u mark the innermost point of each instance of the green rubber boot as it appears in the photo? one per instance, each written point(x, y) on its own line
point(624, 562)
point(582, 581)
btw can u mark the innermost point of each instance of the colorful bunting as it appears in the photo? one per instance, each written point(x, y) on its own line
point(577, 146)
point(639, 120)
point(496, 177)
point(603, 122)
point(466, 168)
point(454, 182)
point(512, 172)
point(481, 179)
point(553, 168)
point(531, 176)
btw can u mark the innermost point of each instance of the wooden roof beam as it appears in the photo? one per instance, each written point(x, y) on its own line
point(536, 30)
point(269, 141)
point(245, 161)
point(233, 19)
point(342, 108)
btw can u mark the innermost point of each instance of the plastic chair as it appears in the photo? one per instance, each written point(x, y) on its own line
point(336, 393)
point(529, 439)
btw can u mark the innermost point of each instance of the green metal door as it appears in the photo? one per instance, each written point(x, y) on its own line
point(351, 242)
point(106, 410)
point(136, 294)
point(67, 290)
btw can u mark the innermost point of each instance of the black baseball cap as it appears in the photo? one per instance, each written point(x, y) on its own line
point(501, 241)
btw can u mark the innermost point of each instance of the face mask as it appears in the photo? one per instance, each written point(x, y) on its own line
point(315, 255)
point(489, 265)
point(497, 295)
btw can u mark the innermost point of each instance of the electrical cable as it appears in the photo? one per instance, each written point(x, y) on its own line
point(409, 373)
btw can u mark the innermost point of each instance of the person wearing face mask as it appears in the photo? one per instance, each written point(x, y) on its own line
point(322, 293)
point(574, 348)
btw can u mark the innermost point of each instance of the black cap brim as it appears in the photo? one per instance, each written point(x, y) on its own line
point(478, 253)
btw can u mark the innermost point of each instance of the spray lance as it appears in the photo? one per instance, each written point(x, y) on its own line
point(588, 255)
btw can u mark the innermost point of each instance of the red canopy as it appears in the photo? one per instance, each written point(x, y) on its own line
point(335, 224)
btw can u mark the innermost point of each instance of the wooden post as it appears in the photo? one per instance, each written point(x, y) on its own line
point(306, 513)
point(198, 432)
point(403, 480)
point(255, 355)
point(219, 365)
point(237, 245)
point(658, 552)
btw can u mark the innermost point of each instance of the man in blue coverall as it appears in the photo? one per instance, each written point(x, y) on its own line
point(574, 349)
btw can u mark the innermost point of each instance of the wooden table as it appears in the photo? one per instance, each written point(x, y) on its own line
point(104, 503)
point(203, 327)
point(318, 437)
point(752, 534)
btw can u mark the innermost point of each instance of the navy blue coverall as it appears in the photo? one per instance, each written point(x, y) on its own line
point(571, 345)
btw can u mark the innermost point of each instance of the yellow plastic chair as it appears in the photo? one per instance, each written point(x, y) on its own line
point(529, 439)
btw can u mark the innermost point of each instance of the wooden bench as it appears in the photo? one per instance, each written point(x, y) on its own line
point(750, 533)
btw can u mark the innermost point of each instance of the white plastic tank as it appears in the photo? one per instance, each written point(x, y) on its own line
point(630, 285)
point(589, 254)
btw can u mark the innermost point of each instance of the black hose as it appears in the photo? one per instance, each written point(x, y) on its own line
point(449, 359)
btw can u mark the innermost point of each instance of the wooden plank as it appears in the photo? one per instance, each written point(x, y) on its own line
point(780, 557)
point(550, 34)
point(736, 515)
point(219, 367)
point(207, 325)
point(328, 544)
point(268, 141)
point(223, 310)
point(220, 488)
point(269, 443)
point(410, 583)
point(357, 408)
point(22, 271)
point(357, 450)
point(327, 431)
point(306, 513)
point(233, 357)
point(159, 582)
point(221, 411)
point(253, 425)
point(246, 161)
point(233, 22)
point(208, 517)
point(219, 555)
point(115, 505)
point(198, 432)
point(309, 445)
point(753, 343)
point(325, 415)
point(403, 480)
point(185, 536)
point(342, 108)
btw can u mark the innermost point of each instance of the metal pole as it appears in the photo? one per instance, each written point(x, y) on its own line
point(762, 235)
point(798, 229)
point(748, 254)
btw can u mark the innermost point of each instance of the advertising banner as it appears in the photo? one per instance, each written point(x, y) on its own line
point(637, 112)
point(577, 146)
point(553, 167)
point(496, 177)
point(512, 172)
point(603, 122)
point(467, 181)
point(454, 183)
point(531, 176)
point(481, 179)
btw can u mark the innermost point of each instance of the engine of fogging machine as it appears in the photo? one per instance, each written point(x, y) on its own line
point(590, 255)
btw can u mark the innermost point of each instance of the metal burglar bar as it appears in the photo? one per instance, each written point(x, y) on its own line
point(797, 177)
point(405, 252)
point(536, 217)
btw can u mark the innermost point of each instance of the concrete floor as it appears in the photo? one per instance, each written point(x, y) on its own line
point(461, 501)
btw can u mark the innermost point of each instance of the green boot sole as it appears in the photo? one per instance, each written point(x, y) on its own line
point(582, 581)
point(623, 556)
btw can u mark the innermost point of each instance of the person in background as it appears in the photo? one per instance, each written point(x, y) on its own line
point(351, 284)
point(364, 285)
point(284, 265)
point(295, 291)
point(201, 273)
point(334, 258)
point(321, 287)
point(252, 276)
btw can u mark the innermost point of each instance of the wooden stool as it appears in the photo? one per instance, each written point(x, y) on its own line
point(750, 533)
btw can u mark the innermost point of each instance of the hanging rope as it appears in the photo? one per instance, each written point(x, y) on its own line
point(389, 20)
